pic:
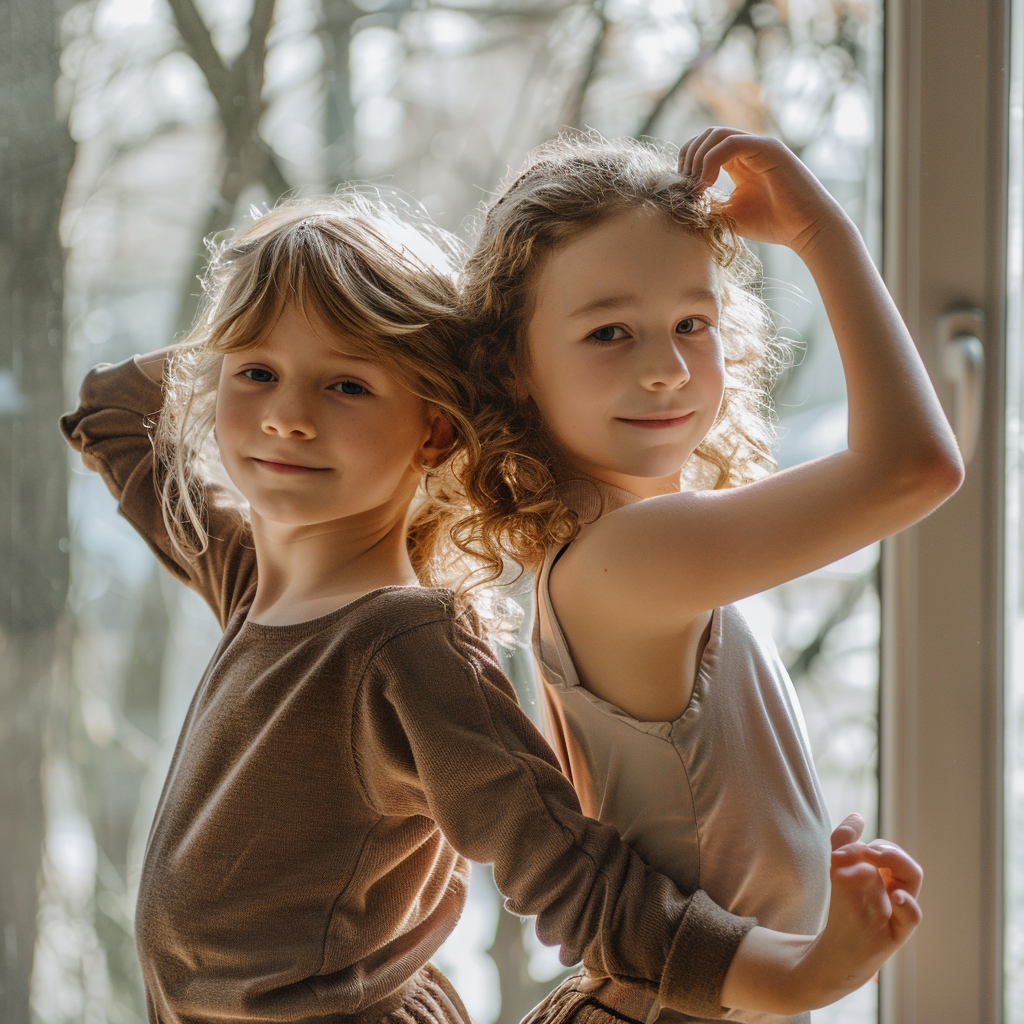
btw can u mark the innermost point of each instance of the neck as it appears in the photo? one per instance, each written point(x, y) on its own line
point(305, 572)
point(642, 487)
point(568, 471)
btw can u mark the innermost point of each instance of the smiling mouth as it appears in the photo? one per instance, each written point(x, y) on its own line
point(287, 467)
point(658, 422)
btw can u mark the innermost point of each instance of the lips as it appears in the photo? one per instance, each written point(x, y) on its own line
point(658, 421)
point(275, 466)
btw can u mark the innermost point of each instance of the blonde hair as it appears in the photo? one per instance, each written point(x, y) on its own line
point(569, 185)
point(353, 262)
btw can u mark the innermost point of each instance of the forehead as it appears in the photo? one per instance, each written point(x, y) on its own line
point(642, 252)
point(306, 333)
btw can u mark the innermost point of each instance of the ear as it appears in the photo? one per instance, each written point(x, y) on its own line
point(439, 440)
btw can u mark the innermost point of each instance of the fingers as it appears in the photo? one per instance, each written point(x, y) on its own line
point(906, 915)
point(860, 897)
point(703, 156)
point(693, 156)
point(688, 149)
point(849, 830)
point(898, 869)
point(906, 873)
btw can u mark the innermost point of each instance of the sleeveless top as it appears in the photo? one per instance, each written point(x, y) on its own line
point(725, 798)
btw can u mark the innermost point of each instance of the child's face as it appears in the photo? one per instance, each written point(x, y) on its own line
point(310, 435)
point(625, 361)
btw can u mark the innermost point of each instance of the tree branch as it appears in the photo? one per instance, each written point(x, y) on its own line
point(740, 17)
point(799, 664)
point(249, 68)
point(196, 37)
point(574, 108)
point(272, 178)
point(238, 93)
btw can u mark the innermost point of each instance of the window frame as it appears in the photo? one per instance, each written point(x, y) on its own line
point(942, 689)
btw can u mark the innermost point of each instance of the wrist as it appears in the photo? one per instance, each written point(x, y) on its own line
point(769, 974)
point(833, 231)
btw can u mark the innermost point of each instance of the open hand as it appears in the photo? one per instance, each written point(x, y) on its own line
point(775, 199)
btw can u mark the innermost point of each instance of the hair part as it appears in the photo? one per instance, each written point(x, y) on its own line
point(378, 274)
point(569, 185)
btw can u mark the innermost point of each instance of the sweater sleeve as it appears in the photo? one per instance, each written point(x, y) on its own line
point(438, 732)
point(111, 429)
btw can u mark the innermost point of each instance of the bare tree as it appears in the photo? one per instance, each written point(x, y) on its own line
point(741, 16)
point(237, 90)
point(337, 19)
point(36, 152)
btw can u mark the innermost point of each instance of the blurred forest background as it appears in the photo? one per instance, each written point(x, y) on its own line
point(132, 129)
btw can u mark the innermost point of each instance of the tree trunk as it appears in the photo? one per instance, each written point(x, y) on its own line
point(36, 152)
point(337, 19)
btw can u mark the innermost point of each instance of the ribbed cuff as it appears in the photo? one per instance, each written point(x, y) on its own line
point(699, 959)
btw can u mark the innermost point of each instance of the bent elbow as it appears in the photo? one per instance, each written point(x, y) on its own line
point(936, 475)
point(946, 471)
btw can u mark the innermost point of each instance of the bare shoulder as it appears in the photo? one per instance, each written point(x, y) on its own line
point(615, 567)
point(628, 646)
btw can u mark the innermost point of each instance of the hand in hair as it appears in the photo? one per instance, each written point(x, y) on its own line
point(872, 912)
point(775, 199)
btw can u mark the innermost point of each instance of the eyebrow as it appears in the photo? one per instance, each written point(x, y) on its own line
point(618, 301)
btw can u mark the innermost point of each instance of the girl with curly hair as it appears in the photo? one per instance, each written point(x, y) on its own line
point(622, 363)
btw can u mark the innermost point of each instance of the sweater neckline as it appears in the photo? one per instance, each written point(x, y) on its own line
point(309, 627)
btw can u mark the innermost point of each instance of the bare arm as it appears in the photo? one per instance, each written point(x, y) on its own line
point(665, 560)
point(873, 911)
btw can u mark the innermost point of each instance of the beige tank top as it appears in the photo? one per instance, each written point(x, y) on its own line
point(723, 799)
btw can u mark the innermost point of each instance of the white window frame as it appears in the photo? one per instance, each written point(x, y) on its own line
point(946, 88)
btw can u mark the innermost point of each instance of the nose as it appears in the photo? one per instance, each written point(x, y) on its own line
point(287, 413)
point(662, 363)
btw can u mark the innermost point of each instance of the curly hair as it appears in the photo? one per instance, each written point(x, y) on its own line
point(384, 278)
point(569, 185)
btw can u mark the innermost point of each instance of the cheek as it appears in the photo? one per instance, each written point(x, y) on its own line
point(228, 425)
point(563, 387)
point(392, 437)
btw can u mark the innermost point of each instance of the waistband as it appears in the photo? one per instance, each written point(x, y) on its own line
point(582, 999)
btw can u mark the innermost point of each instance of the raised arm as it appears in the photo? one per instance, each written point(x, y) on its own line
point(112, 429)
point(669, 558)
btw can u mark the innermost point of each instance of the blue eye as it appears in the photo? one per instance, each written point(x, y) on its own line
point(687, 326)
point(349, 387)
point(607, 335)
point(258, 375)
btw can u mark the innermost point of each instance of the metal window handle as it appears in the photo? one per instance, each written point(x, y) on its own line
point(962, 357)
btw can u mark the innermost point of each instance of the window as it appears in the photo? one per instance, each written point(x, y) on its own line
point(439, 101)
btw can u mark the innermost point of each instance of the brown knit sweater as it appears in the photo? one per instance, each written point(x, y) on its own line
point(307, 856)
